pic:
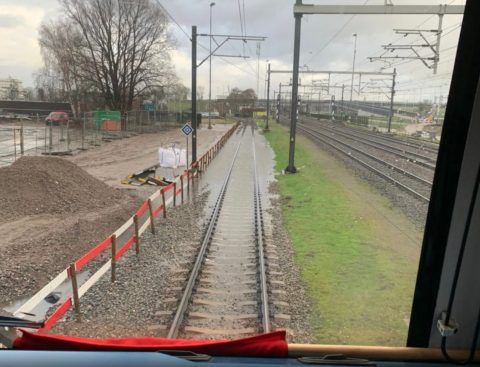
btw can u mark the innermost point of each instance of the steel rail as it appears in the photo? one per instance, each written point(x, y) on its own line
point(420, 145)
point(259, 232)
point(376, 140)
point(182, 308)
point(365, 164)
point(377, 145)
point(376, 159)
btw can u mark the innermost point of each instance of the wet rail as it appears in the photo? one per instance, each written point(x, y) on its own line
point(426, 151)
point(407, 181)
point(226, 294)
point(372, 157)
point(423, 160)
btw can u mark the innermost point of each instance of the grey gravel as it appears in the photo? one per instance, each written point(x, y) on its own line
point(135, 304)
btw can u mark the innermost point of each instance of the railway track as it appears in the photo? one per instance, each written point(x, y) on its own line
point(407, 181)
point(226, 294)
point(422, 160)
point(420, 149)
point(403, 166)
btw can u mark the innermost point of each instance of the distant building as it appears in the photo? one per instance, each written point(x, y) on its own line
point(11, 88)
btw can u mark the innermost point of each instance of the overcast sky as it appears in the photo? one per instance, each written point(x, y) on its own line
point(327, 42)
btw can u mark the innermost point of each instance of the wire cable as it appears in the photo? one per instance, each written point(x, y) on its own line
point(174, 21)
point(334, 36)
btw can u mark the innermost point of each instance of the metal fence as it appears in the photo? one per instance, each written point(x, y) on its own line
point(36, 137)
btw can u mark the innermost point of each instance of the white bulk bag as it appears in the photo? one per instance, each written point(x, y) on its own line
point(167, 157)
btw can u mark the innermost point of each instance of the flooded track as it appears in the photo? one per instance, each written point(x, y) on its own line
point(226, 294)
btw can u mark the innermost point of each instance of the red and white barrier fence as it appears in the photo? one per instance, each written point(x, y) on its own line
point(139, 222)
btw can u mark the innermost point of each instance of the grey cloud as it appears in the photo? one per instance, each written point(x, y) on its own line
point(10, 21)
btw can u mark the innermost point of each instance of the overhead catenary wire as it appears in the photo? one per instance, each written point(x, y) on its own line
point(174, 20)
point(184, 32)
point(334, 36)
point(401, 37)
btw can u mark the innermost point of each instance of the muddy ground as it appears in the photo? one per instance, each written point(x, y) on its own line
point(35, 245)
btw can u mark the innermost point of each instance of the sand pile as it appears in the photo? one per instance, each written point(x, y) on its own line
point(50, 185)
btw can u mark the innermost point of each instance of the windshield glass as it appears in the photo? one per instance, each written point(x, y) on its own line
point(228, 200)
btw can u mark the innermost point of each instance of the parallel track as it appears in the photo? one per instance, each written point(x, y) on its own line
point(336, 144)
point(388, 140)
point(215, 301)
point(416, 158)
point(371, 156)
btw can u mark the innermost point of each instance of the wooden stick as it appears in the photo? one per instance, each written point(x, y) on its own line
point(150, 209)
point(181, 191)
point(137, 237)
point(163, 203)
point(114, 260)
point(174, 193)
point(76, 298)
point(21, 140)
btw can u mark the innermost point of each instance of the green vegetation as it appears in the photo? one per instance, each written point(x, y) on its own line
point(186, 105)
point(359, 272)
point(398, 123)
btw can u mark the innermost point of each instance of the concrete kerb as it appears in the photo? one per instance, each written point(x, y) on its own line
point(112, 240)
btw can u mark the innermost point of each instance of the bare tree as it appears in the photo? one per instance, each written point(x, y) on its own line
point(59, 44)
point(48, 82)
point(123, 49)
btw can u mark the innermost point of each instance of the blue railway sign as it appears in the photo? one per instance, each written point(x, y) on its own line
point(187, 129)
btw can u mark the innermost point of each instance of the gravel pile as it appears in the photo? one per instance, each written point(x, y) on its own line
point(37, 185)
point(139, 302)
point(51, 213)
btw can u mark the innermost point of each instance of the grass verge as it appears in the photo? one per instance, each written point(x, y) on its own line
point(359, 275)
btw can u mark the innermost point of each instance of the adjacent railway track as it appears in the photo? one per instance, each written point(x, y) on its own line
point(226, 294)
point(420, 149)
point(417, 186)
point(421, 159)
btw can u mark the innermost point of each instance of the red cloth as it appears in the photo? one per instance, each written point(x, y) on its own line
point(264, 345)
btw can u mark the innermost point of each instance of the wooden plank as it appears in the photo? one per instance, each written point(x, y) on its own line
point(207, 331)
point(54, 317)
point(155, 195)
point(213, 316)
point(94, 252)
point(113, 260)
point(137, 234)
point(42, 293)
point(124, 227)
point(150, 213)
point(144, 227)
point(94, 278)
point(76, 297)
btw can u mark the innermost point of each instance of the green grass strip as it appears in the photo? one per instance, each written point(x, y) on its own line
point(361, 289)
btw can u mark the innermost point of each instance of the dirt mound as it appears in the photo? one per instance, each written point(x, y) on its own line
point(34, 185)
